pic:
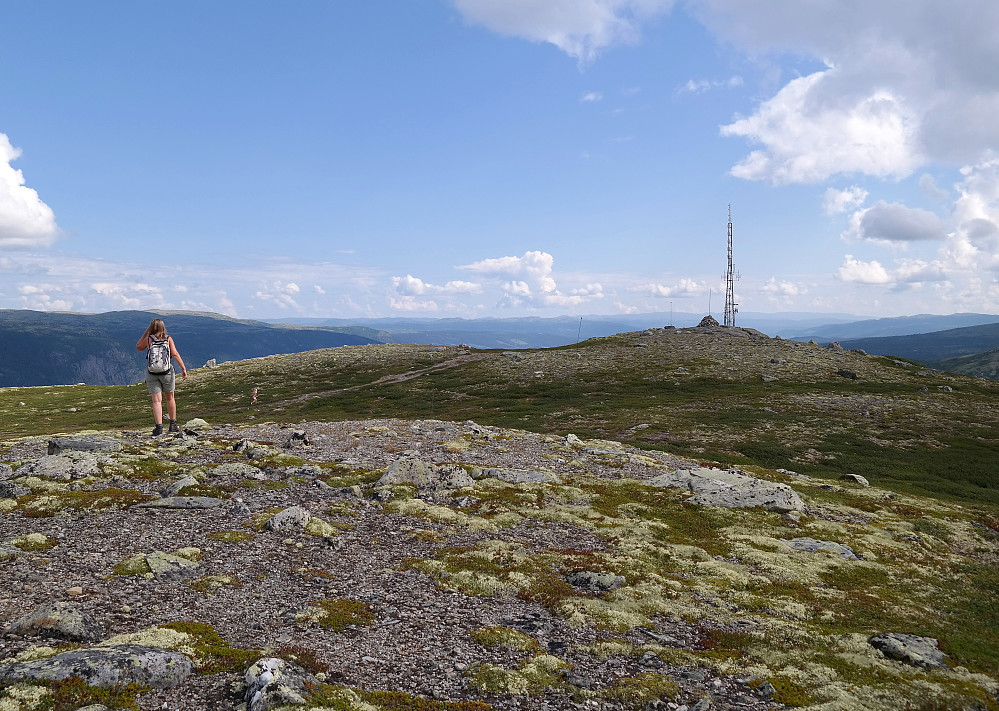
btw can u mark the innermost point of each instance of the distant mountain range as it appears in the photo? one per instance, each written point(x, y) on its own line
point(42, 348)
point(883, 327)
point(946, 350)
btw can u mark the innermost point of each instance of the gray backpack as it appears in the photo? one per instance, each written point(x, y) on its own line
point(158, 356)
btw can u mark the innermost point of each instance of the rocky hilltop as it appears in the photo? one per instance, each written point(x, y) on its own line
point(436, 565)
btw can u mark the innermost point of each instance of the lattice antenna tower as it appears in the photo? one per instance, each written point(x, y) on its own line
point(731, 276)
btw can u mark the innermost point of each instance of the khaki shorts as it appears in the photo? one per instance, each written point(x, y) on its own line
point(160, 382)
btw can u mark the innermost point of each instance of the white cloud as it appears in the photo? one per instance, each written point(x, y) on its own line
point(836, 201)
point(318, 289)
point(281, 295)
point(930, 188)
point(682, 289)
point(411, 303)
point(908, 271)
point(128, 295)
point(528, 280)
point(591, 97)
point(900, 89)
point(700, 86)
point(25, 221)
point(782, 288)
point(893, 222)
point(414, 286)
point(580, 28)
point(809, 136)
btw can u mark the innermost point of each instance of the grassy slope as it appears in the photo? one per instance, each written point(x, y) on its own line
point(697, 395)
point(704, 396)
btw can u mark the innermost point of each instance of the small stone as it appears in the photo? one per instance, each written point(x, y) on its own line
point(75, 590)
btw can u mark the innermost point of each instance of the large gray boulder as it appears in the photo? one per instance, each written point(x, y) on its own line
point(909, 648)
point(93, 443)
point(273, 682)
point(62, 467)
point(813, 545)
point(731, 489)
point(57, 619)
point(293, 517)
point(107, 666)
point(423, 475)
point(168, 565)
point(5, 471)
point(594, 582)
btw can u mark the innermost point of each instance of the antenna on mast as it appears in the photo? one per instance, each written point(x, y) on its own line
point(731, 308)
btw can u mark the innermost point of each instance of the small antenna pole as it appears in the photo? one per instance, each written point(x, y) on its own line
point(580, 330)
point(671, 313)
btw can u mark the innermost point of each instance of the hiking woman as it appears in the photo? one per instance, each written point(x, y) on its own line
point(160, 349)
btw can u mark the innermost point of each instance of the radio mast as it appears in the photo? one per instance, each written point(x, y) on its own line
point(731, 308)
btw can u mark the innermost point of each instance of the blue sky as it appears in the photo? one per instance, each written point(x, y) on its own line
point(473, 158)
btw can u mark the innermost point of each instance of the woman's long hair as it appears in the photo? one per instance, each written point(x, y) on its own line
point(157, 328)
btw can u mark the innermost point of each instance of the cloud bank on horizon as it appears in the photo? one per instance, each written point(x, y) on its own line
point(882, 112)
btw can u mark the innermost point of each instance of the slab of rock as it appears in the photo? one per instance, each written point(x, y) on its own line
point(730, 489)
point(96, 443)
point(176, 487)
point(10, 490)
point(856, 479)
point(57, 619)
point(911, 649)
point(425, 475)
point(5, 471)
point(812, 545)
point(107, 666)
point(62, 467)
point(517, 476)
point(182, 502)
point(273, 682)
point(293, 517)
point(165, 565)
point(594, 582)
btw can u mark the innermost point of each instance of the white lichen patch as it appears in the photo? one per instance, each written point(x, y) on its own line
point(41, 486)
point(418, 508)
point(31, 653)
point(7, 505)
point(154, 637)
point(24, 697)
point(318, 527)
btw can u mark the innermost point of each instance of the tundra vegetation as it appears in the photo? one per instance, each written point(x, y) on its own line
point(923, 538)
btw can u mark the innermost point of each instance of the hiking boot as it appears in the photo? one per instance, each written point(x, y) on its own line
point(157, 430)
point(173, 426)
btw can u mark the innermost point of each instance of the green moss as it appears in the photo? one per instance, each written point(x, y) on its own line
point(338, 614)
point(231, 536)
point(136, 565)
point(34, 542)
point(340, 698)
point(213, 654)
point(210, 584)
point(216, 492)
point(790, 693)
point(74, 693)
point(637, 691)
point(499, 636)
point(534, 677)
point(303, 657)
point(49, 504)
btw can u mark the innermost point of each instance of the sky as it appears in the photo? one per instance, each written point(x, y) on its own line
point(495, 158)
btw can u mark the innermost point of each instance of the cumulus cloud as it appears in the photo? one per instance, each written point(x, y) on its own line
point(580, 28)
point(414, 286)
point(591, 97)
point(893, 222)
point(836, 201)
point(25, 221)
point(899, 89)
point(773, 287)
point(411, 303)
point(281, 295)
point(528, 280)
point(127, 295)
point(907, 271)
point(682, 289)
